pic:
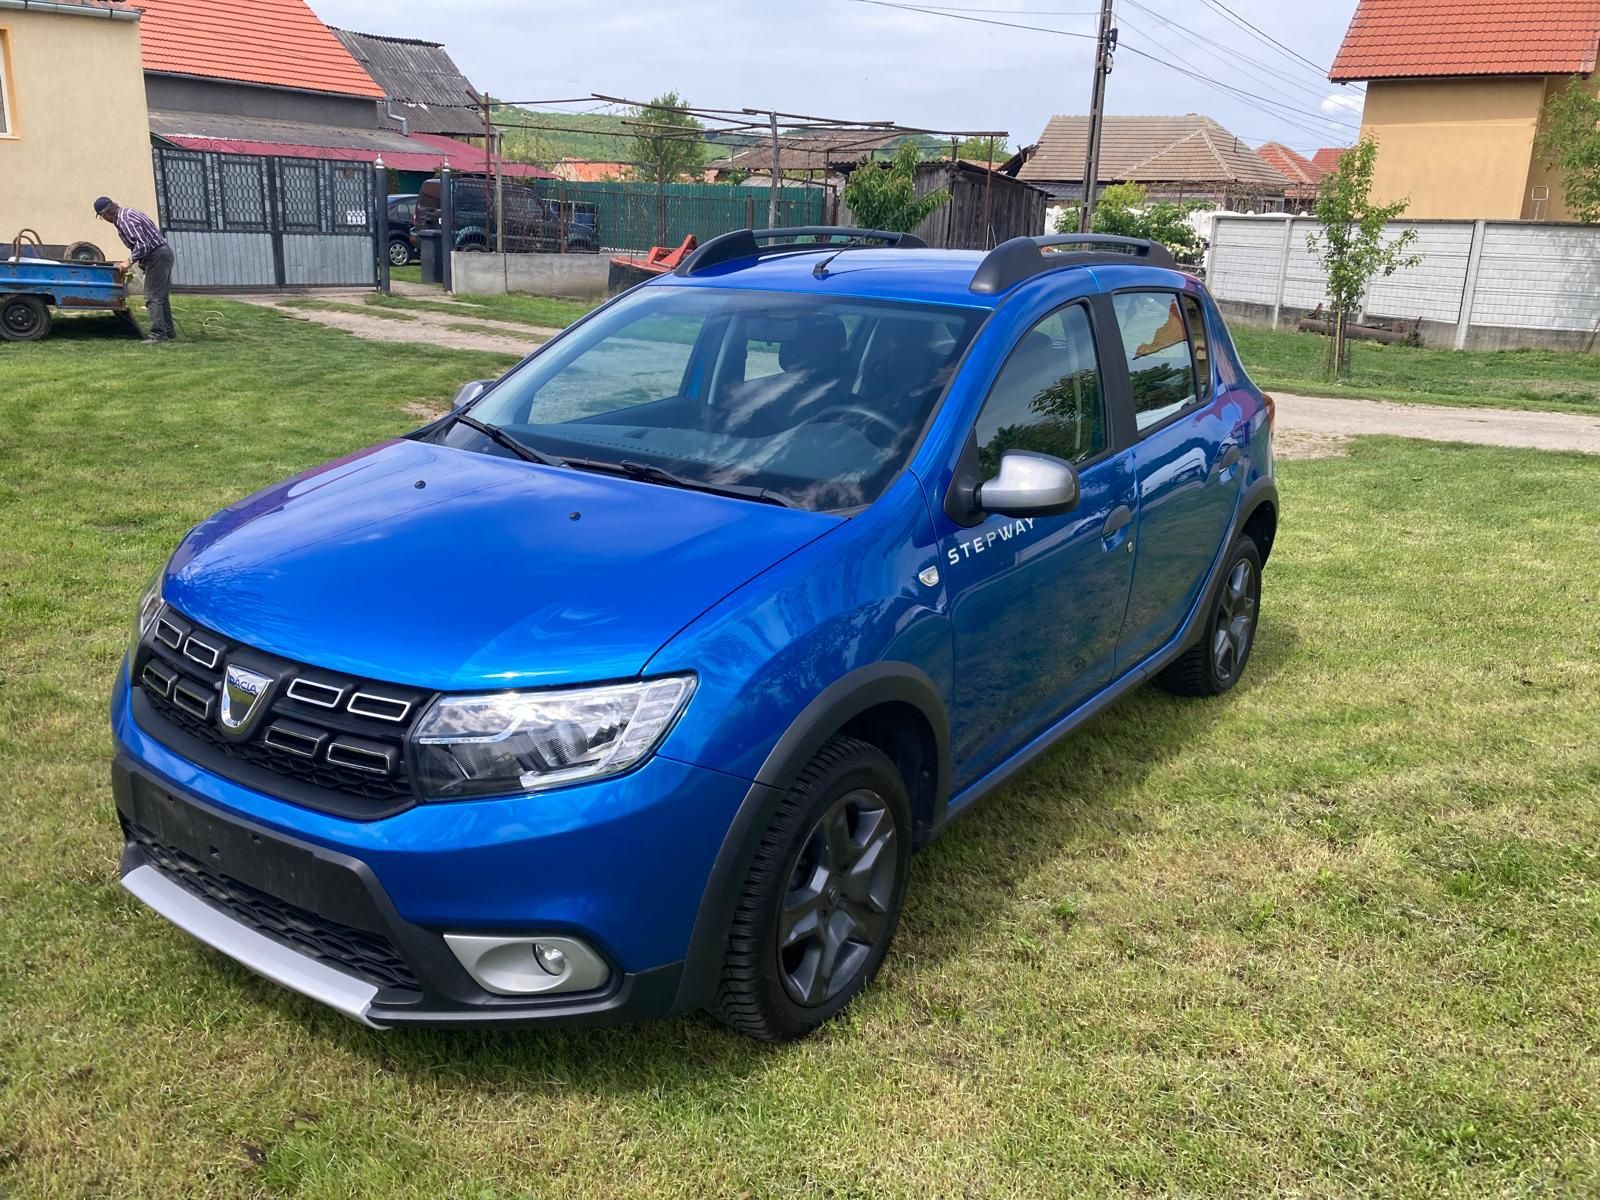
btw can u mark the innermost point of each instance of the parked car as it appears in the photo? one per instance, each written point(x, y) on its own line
point(628, 687)
point(533, 223)
point(402, 232)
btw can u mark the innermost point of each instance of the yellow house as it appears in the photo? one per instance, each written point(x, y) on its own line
point(73, 123)
point(1454, 96)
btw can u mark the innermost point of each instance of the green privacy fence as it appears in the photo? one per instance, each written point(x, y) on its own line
point(637, 216)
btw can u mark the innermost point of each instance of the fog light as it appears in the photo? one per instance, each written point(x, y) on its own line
point(529, 966)
point(550, 958)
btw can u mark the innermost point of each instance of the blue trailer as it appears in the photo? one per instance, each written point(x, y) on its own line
point(31, 284)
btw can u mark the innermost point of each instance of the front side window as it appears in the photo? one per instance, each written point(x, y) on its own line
point(818, 400)
point(1160, 360)
point(1047, 396)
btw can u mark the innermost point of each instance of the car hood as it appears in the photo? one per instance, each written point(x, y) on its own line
point(441, 568)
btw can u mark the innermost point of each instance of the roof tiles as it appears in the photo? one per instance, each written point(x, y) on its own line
point(1327, 158)
point(280, 43)
point(1186, 149)
point(1409, 39)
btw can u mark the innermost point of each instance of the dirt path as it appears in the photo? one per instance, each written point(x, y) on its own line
point(429, 327)
point(1311, 426)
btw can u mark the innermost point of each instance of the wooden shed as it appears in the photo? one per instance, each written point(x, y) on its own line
point(1013, 208)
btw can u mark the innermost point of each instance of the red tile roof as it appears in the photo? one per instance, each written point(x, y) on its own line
point(1296, 167)
point(1408, 39)
point(1327, 159)
point(279, 43)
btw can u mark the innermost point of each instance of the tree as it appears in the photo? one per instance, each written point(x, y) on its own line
point(884, 195)
point(984, 149)
point(1569, 142)
point(1352, 243)
point(671, 143)
point(1124, 209)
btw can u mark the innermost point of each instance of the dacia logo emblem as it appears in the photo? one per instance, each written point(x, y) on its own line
point(243, 692)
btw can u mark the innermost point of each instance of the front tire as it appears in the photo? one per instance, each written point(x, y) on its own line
point(1214, 663)
point(823, 897)
point(399, 253)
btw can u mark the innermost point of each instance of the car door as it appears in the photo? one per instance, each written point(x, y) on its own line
point(1186, 461)
point(1037, 602)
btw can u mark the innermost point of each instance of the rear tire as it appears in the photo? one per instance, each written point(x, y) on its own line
point(1216, 661)
point(23, 318)
point(823, 897)
point(399, 253)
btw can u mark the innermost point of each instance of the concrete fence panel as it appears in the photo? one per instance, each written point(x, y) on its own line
point(1479, 284)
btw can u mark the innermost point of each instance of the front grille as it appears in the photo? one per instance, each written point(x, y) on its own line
point(340, 736)
point(369, 956)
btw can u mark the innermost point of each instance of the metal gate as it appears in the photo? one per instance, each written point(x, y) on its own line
point(241, 221)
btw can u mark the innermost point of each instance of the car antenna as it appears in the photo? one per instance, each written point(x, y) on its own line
point(821, 269)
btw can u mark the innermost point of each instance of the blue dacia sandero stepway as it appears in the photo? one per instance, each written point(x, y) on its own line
point(629, 687)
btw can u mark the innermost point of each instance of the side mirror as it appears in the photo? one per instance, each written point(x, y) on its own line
point(1030, 484)
point(469, 392)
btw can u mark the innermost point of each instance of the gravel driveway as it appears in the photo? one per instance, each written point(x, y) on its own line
point(1309, 426)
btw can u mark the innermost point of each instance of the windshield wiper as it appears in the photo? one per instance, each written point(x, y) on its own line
point(650, 473)
point(501, 438)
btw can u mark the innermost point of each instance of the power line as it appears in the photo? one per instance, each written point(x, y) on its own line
point(1018, 12)
point(936, 12)
point(1262, 36)
point(1237, 93)
point(1293, 114)
point(1320, 92)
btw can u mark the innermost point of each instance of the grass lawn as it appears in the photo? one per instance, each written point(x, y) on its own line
point(548, 311)
point(1555, 380)
point(1338, 932)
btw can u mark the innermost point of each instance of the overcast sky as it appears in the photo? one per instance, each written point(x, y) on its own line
point(861, 61)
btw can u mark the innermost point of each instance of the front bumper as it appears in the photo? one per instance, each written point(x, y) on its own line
point(353, 913)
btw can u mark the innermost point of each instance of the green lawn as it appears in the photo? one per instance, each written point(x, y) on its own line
point(548, 311)
point(1336, 933)
point(1560, 381)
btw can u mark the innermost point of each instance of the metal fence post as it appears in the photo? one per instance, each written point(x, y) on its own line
point(380, 209)
point(1469, 286)
point(1283, 268)
point(447, 227)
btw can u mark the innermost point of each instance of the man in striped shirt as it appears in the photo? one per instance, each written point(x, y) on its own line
point(150, 250)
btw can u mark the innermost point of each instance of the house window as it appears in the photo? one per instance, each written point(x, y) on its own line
point(7, 121)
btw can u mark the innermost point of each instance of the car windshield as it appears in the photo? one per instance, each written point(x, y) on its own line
point(817, 399)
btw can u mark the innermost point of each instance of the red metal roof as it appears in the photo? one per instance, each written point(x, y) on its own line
point(1408, 39)
point(432, 151)
point(280, 43)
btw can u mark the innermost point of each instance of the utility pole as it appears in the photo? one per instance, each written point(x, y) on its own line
point(777, 164)
point(488, 153)
point(1106, 43)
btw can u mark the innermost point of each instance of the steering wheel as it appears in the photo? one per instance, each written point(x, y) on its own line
point(863, 420)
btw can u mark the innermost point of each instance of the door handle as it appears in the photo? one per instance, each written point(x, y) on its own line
point(1119, 519)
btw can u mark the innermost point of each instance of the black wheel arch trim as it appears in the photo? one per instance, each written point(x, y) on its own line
point(832, 709)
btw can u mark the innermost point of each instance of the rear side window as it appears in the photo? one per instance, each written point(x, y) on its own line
point(1161, 362)
point(1047, 397)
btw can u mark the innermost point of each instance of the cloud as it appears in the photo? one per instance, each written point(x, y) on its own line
point(1344, 101)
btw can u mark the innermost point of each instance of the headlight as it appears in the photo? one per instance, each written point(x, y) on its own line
point(150, 605)
point(524, 741)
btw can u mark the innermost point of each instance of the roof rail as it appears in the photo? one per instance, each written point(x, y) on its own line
point(1011, 262)
point(746, 243)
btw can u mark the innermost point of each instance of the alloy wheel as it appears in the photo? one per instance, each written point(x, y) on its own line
point(1236, 620)
point(837, 905)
